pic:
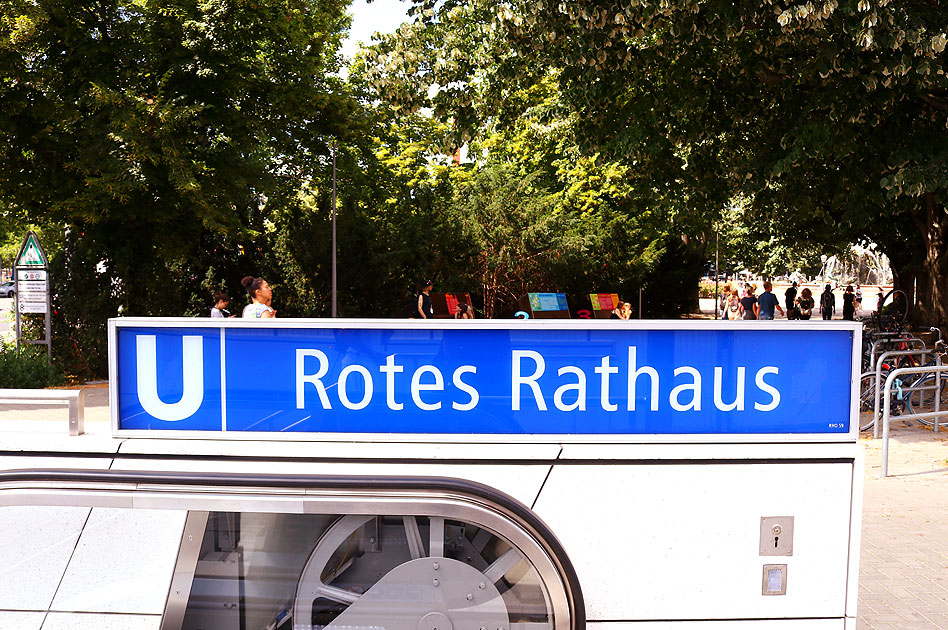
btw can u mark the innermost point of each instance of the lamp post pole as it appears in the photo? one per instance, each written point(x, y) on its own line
point(332, 148)
point(717, 298)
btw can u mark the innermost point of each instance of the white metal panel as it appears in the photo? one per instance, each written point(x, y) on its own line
point(345, 450)
point(750, 624)
point(488, 324)
point(855, 534)
point(668, 542)
point(29, 460)
point(87, 621)
point(707, 451)
point(37, 545)
point(21, 620)
point(29, 436)
point(123, 562)
point(521, 482)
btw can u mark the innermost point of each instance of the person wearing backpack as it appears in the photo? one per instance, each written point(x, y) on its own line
point(827, 303)
point(805, 303)
point(789, 297)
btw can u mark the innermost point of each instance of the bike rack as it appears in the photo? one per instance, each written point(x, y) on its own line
point(878, 369)
point(887, 408)
point(899, 339)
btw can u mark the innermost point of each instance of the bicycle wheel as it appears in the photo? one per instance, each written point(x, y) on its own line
point(894, 320)
point(922, 399)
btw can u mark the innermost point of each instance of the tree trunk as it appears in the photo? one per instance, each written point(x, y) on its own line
point(932, 299)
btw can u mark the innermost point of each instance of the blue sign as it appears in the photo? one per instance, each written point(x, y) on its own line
point(463, 380)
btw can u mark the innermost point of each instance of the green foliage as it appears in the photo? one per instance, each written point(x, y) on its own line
point(706, 289)
point(828, 118)
point(155, 133)
point(519, 239)
point(25, 368)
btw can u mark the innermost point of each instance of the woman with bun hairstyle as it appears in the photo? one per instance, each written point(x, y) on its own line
point(260, 293)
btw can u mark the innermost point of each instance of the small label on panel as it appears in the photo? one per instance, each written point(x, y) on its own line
point(775, 579)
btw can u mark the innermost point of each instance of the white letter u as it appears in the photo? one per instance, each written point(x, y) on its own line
point(192, 394)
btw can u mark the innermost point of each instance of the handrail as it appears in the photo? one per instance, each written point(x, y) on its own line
point(361, 493)
point(898, 339)
point(887, 407)
point(879, 363)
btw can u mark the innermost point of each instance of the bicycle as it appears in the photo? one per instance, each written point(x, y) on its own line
point(929, 385)
point(908, 397)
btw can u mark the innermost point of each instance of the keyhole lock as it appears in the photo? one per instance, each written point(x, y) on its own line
point(776, 536)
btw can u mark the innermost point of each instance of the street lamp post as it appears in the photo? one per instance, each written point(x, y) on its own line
point(332, 148)
point(717, 298)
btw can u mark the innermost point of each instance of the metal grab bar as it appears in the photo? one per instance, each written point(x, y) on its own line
point(938, 370)
point(878, 370)
point(72, 397)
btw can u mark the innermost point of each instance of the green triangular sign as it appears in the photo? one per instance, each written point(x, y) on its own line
point(31, 253)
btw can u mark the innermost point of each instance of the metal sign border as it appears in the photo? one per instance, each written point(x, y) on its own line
point(492, 324)
point(31, 235)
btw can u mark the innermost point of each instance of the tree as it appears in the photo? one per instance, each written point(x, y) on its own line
point(829, 117)
point(154, 130)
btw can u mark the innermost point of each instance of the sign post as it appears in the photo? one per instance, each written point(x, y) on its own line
point(31, 277)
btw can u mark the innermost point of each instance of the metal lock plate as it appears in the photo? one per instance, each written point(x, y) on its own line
point(776, 535)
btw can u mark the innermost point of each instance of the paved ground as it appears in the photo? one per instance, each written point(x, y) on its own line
point(903, 577)
point(903, 582)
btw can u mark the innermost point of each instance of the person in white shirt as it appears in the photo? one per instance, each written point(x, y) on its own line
point(260, 293)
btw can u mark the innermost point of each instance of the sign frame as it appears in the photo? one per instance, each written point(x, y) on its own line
point(855, 328)
point(31, 240)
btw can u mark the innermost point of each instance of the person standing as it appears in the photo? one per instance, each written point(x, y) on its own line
point(789, 298)
point(221, 300)
point(463, 310)
point(261, 296)
point(827, 303)
point(424, 309)
point(725, 299)
point(734, 304)
point(767, 302)
point(849, 304)
point(805, 303)
point(749, 307)
point(858, 298)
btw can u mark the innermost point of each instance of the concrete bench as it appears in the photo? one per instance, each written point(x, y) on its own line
point(72, 397)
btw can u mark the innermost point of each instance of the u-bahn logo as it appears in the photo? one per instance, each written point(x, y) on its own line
point(192, 394)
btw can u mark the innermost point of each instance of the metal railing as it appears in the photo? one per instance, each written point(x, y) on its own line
point(72, 397)
point(938, 370)
point(878, 370)
point(901, 338)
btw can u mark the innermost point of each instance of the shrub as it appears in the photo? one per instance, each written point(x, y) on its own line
point(706, 289)
point(25, 368)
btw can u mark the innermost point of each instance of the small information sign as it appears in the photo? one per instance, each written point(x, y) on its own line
point(32, 288)
point(31, 307)
point(27, 275)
